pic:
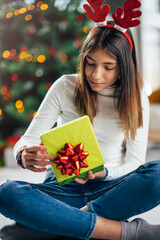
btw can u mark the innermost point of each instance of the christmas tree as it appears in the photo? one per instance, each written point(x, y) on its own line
point(39, 41)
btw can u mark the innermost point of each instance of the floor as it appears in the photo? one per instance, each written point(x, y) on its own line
point(16, 173)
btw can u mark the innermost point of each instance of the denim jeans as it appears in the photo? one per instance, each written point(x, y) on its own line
point(55, 209)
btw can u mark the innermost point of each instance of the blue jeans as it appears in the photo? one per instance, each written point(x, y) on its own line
point(54, 209)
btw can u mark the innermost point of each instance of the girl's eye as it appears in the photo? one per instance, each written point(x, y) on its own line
point(109, 69)
point(90, 64)
point(93, 64)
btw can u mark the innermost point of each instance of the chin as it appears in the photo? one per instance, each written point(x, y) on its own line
point(97, 89)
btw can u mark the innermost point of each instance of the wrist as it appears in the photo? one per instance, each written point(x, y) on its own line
point(19, 157)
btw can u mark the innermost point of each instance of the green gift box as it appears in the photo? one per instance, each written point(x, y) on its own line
point(74, 132)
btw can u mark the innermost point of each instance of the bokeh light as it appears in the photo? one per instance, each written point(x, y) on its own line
point(24, 49)
point(29, 57)
point(9, 15)
point(31, 7)
point(48, 85)
point(22, 55)
point(28, 17)
point(19, 104)
point(41, 58)
point(44, 6)
point(14, 77)
point(80, 18)
point(34, 114)
point(23, 10)
point(78, 42)
point(63, 58)
point(4, 89)
point(16, 12)
point(6, 54)
point(85, 29)
point(7, 96)
point(39, 4)
point(20, 110)
point(39, 72)
point(51, 51)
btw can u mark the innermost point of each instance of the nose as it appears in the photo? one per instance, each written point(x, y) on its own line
point(97, 72)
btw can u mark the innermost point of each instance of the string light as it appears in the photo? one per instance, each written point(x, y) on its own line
point(4, 89)
point(28, 17)
point(9, 15)
point(19, 104)
point(1, 112)
point(85, 30)
point(63, 58)
point(6, 54)
point(48, 85)
point(78, 42)
point(22, 55)
point(34, 114)
point(51, 51)
point(44, 7)
point(80, 18)
point(39, 73)
point(20, 110)
point(31, 7)
point(23, 10)
point(4, 92)
point(39, 4)
point(29, 57)
point(41, 58)
point(16, 12)
point(7, 96)
point(24, 49)
point(14, 77)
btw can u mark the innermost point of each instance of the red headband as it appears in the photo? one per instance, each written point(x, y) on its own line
point(121, 24)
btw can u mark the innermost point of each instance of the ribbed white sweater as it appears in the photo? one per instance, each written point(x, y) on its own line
point(58, 106)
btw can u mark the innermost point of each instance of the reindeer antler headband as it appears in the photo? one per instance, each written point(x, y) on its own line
point(121, 23)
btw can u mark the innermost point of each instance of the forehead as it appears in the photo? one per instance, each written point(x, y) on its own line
point(102, 54)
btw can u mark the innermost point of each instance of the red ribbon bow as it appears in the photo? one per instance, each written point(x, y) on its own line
point(71, 159)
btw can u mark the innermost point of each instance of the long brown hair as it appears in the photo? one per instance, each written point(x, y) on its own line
point(128, 86)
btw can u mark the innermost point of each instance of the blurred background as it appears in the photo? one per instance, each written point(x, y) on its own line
point(41, 40)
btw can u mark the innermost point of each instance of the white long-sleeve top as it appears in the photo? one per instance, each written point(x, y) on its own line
point(58, 106)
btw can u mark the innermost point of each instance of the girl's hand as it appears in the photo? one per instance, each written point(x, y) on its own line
point(91, 176)
point(36, 159)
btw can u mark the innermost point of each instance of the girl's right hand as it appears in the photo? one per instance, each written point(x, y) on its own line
point(36, 159)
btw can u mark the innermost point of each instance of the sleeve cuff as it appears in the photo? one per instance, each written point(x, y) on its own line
point(19, 159)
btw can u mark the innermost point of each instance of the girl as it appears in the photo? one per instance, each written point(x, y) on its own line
point(108, 88)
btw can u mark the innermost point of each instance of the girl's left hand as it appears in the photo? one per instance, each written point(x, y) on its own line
point(91, 176)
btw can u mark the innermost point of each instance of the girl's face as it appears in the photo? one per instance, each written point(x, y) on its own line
point(101, 70)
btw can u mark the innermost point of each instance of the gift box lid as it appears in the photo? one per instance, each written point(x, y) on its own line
point(77, 131)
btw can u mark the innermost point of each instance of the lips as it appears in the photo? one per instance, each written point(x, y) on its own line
point(95, 83)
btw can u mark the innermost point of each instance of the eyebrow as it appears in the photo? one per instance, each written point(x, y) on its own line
point(103, 63)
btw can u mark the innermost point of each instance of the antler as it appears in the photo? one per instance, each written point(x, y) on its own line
point(127, 21)
point(99, 14)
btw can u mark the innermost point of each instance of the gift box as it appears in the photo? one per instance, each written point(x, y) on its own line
point(75, 150)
